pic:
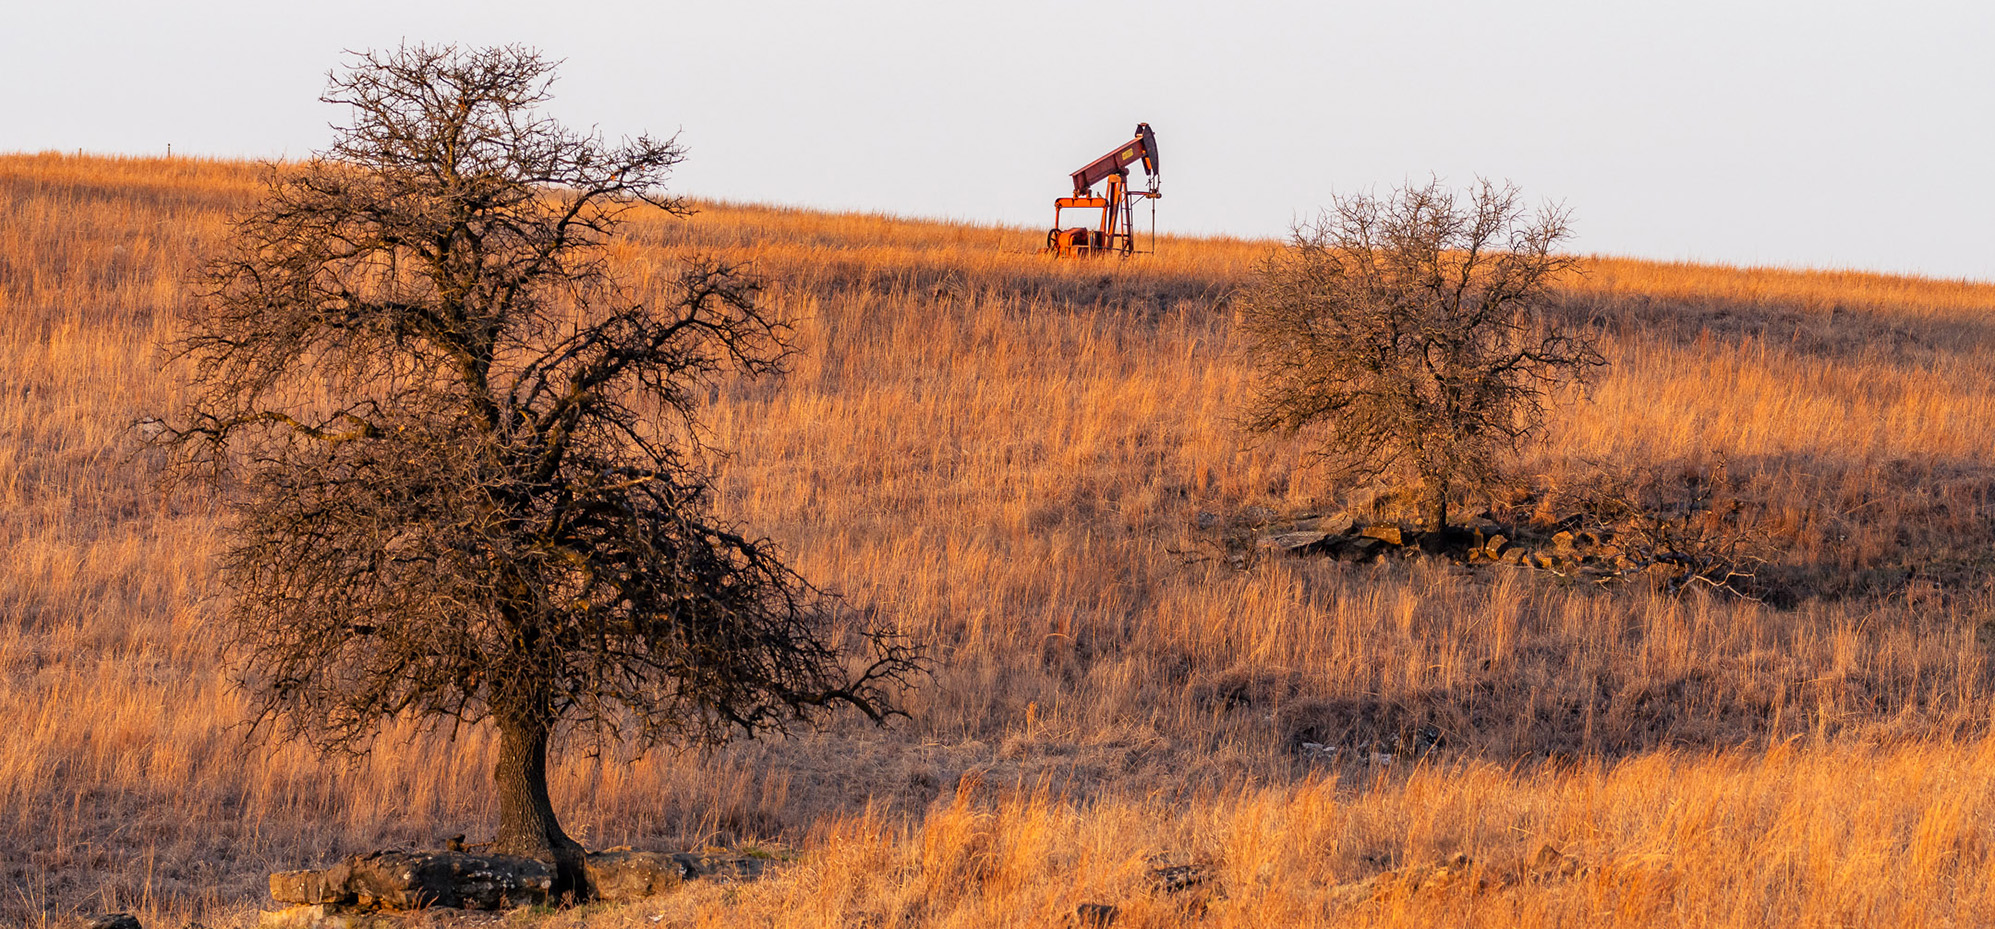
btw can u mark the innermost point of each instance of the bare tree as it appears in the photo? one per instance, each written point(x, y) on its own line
point(461, 451)
point(1405, 333)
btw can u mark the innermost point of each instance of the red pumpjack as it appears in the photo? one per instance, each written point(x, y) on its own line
point(1116, 232)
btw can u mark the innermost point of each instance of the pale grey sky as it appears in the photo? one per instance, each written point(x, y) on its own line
point(1824, 134)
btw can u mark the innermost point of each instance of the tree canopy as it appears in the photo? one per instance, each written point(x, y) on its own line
point(460, 449)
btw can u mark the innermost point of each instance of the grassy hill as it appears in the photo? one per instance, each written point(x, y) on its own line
point(1032, 467)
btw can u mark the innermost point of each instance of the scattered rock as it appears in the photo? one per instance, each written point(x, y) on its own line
point(1173, 879)
point(1340, 524)
point(1446, 873)
point(1360, 548)
point(1389, 534)
point(1094, 916)
point(1320, 751)
point(1293, 541)
point(720, 867)
point(1549, 862)
point(112, 921)
point(1190, 887)
point(1460, 872)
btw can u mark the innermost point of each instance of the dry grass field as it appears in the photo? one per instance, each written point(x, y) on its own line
point(1011, 458)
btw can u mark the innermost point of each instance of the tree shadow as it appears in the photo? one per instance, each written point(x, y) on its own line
point(1547, 713)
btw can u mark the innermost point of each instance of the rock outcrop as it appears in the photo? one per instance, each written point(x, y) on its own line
point(1589, 555)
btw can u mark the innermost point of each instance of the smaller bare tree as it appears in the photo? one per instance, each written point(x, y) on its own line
point(1406, 333)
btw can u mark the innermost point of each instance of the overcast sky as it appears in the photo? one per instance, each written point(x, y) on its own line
point(1822, 134)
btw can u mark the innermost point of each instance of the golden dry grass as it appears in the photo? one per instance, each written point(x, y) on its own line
point(1010, 457)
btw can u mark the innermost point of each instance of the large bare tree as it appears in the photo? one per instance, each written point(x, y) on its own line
point(460, 450)
point(1406, 334)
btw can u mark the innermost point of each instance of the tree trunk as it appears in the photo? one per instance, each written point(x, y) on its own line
point(527, 826)
point(1435, 504)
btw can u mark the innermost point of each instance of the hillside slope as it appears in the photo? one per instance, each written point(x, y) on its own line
point(1031, 467)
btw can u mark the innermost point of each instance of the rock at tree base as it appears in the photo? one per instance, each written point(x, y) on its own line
point(1361, 548)
point(1293, 542)
point(721, 867)
point(1340, 524)
point(1389, 534)
point(400, 880)
point(307, 887)
point(627, 875)
point(404, 880)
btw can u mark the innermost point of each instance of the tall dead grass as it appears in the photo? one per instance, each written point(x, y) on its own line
point(1837, 836)
point(1011, 457)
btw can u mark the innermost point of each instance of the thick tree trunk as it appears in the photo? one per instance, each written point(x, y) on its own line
point(527, 826)
point(1435, 504)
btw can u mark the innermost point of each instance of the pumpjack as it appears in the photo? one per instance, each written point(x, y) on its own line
point(1116, 232)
